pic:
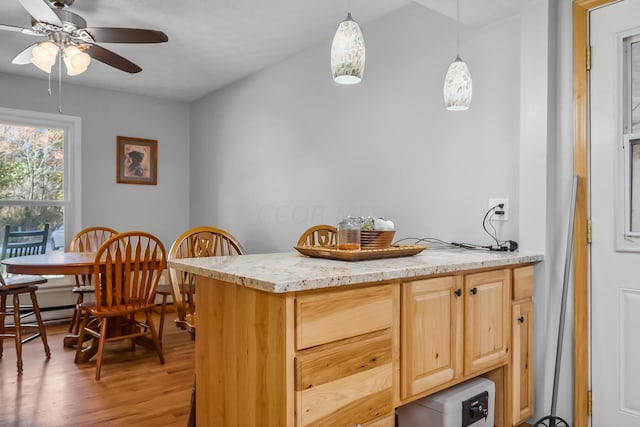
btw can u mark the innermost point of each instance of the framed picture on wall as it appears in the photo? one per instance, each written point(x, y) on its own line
point(137, 161)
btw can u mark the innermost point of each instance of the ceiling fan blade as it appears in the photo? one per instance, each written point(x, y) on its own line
point(113, 59)
point(24, 57)
point(126, 35)
point(27, 31)
point(40, 10)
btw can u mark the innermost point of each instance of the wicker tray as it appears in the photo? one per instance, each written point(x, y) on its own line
point(330, 252)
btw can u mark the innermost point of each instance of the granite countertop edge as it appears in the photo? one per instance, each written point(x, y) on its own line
point(292, 272)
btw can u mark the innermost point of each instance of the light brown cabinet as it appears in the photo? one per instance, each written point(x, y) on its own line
point(431, 334)
point(522, 343)
point(487, 319)
point(452, 322)
point(350, 355)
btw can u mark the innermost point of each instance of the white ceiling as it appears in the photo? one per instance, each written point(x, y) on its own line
point(215, 42)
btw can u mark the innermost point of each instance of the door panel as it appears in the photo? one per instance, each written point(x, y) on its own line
point(615, 288)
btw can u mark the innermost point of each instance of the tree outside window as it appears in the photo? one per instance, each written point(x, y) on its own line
point(31, 177)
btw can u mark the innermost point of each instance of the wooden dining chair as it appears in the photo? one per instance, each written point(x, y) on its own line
point(14, 286)
point(20, 243)
point(87, 240)
point(318, 235)
point(126, 272)
point(196, 242)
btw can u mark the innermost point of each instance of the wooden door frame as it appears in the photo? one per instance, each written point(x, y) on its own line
point(581, 401)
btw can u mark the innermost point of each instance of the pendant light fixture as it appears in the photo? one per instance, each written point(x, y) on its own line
point(348, 53)
point(457, 82)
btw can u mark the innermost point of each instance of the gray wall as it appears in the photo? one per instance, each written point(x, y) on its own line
point(288, 148)
point(162, 210)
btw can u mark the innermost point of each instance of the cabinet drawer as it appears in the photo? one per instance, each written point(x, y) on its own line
point(522, 285)
point(326, 317)
point(346, 383)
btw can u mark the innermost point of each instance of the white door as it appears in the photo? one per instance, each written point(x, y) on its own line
point(615, 248)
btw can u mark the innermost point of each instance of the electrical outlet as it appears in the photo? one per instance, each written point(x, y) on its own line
point(495, 201)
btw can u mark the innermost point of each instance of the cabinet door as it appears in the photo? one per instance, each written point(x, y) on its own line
point(487, 319)
point(431, 333)
point(522, 362)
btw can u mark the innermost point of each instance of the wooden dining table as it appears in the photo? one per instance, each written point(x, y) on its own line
point(52, 263)
point(57, 263)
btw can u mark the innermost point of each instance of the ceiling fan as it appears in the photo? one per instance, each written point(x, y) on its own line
point(68, 35)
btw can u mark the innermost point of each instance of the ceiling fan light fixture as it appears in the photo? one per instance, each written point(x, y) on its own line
point(76, 60)
point(44, 55)
point(348, 53)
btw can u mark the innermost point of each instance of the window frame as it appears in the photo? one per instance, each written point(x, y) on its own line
point(72, 180)
point(629, 141)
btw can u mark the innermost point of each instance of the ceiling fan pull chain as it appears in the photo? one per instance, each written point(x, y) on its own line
point(49, 89)
point(60, 82)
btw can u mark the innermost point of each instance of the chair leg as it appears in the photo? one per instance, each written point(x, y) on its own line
point(18, 331)
point(191, 422)
point(132, 319)
point(81, 332)
point(103, 336)
point(162, 312)
point(154, 335)
point(3, 311)
point(41, 328)
point(75, 318)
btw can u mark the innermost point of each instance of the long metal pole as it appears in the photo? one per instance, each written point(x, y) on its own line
point(563, 303)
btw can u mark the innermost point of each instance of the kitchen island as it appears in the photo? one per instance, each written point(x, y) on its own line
point(287, 340)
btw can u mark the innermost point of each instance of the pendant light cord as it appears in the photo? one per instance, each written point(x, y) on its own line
point(458, 27)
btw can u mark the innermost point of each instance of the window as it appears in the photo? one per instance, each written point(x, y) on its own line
point(39, 173)
point(628, 199)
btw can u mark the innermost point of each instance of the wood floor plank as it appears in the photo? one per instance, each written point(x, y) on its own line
point(135, 389)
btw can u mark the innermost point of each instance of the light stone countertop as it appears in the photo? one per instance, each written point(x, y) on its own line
point(291, 271)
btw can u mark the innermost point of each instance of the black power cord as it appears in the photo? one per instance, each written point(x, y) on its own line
point(500, 245)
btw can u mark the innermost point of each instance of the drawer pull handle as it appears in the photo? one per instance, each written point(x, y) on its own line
point(458, 292)
point(521, 319)
point(474, 291)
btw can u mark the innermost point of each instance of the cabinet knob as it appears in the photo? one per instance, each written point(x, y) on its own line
point(458, 292)
point(474, 291)
point(521, 319)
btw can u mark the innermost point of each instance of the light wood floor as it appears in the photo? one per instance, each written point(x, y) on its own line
point(135, 389)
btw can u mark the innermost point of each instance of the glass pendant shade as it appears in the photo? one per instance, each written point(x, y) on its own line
point(348, 53)
point(458, 86)
point(44, 56)
point(76, 60)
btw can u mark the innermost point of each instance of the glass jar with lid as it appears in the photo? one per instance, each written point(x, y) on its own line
point(349, 234)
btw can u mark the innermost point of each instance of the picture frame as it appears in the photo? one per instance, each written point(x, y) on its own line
point(136, 161)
